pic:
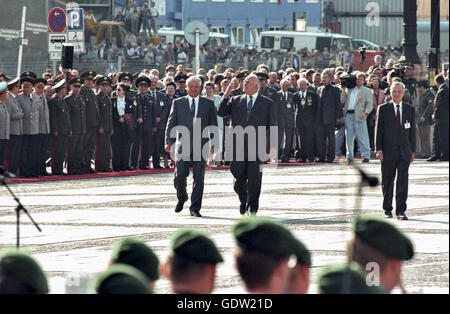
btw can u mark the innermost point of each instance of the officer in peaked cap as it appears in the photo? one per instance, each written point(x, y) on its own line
point(143, 80)
point(44, 138)
point(218, 78)
point(21, 274)
point(191, 266)
point(60, 126)
point(241, 75)
point(105, 128)
point(264, 245)
point(28, 77)
point(345, 278)
point(180, 79)
point(134, 252)
point(92, 120)
point(270, 93)
point(378, 241)
point(77, 112)
point(126, 77)
point(121, 279)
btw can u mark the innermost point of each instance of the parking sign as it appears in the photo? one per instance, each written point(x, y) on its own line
point(75, 19)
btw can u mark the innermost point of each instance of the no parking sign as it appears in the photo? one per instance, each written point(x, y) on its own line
point(57, 20)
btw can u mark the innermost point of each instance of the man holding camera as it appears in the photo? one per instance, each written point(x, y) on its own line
point(358, 102)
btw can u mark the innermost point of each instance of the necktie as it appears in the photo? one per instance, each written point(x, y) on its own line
point(193, 108)
point(398, 116)
point(249, 107)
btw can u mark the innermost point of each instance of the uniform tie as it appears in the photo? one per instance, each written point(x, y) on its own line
point(398, 116)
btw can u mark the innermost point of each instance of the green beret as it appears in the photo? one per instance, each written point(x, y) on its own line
point(136, 253)
point(302, 253)
point(344, 278)
point(121, 279)
point(381, 235)
point(25, 269)
point(196, 246)
point(263, 235)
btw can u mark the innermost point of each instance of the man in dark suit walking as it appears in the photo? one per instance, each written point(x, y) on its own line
point(330, 113)
point(194, 113)
point(395, 143)
point(249, 110)
point(440, 118)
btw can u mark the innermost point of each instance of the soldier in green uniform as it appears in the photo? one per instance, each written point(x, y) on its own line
point(180, 79)
point(60, 127)
point(105, 129)
point(134, 252)
point(92, 120)
point(191, 265)
point(21, 274)
point(77, 112)
point(423, 118)
point(380, 248)
point(121, 279)
point(266, 254)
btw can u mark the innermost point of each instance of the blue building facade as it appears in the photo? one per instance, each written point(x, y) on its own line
point(243, 20)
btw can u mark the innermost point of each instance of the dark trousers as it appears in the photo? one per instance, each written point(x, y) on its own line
point(103, 155)
point(156, 155)
point(15, 147)
point(76, 154)
point(306, 134)
point(121, 146)
point(3, 149)
point(389, 170)
point(287, 145)
point(147, 148)
point(59, 153)
point(180, 181)
point(29, 165)
point(247, 184)
point(88, 147)
point(327, 147)
point(136, 145)
point(442, 129)
point(45, 145)
point(281, 139)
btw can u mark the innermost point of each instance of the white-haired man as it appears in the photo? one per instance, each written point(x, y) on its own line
point(395, 143)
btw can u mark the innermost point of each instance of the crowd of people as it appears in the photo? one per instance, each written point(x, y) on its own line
point(122, 117)
point(268, 257)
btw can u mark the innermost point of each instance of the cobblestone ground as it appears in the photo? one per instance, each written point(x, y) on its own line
point(81, 220)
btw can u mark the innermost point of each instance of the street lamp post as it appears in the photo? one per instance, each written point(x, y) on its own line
point(410, 32)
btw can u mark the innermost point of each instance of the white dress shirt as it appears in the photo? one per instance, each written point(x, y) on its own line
point(197, 99)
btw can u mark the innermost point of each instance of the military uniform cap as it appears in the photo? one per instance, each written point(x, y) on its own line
point(180, 77)
point(25, 269)
point(103, 80)
point(14, 82)
point(89, 75)
point(384, 237)
point(263, 235)
point(28, 77)
point(218, 78)
point(195, 246)
point(40, 80)
point(242, 74)
point(121, 279)
point(76, 81)
point(171, 84)
point(302, 253)
point(144, 80)
point(136, 253)
point(3, 87)
point(61, 84)
point(262, 75)
point(344, 278)
point(423, 83)
point(125, 76)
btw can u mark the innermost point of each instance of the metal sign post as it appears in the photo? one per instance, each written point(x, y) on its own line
point(197, 50)
point(22, 34)
point(196, 33)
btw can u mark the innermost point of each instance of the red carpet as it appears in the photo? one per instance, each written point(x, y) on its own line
point(133, 173)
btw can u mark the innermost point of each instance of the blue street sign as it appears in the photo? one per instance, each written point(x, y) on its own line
point(75, 20)
point(57, 20)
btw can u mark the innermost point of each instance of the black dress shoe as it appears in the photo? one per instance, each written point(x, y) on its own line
point(145, 168)
point(402, 217)
point(131, 168)
point(195, 213)
point(321, 160)
point(253, 212)
point(157, 167)
point(329, 161)
point(366, 160)
point(388, 215)
point(243, 209)
point(90, 170)
point(286, 161)
point(349, 161)
point(433, 158)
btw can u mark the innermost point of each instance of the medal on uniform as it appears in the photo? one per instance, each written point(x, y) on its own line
point(309, 101)
point(161, 104)
point(303, 103)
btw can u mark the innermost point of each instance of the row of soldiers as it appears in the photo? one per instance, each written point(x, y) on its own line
point(269, 258)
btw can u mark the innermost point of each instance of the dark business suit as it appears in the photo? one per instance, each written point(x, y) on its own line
point(247, 172)
point(60, 124)
point(181, 116)
point(397, 144)
point(330, 109)
point(158, 137)
point(306, 107)
point(286, 124)
point(440, 135)
point(123, 135)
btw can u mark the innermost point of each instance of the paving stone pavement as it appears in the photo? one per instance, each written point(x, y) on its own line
point(82, 219)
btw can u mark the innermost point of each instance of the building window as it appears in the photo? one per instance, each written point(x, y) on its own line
point(255, 34)
point(218, 29)
point(267, 42)
point(238, 35)
point(275, 28)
